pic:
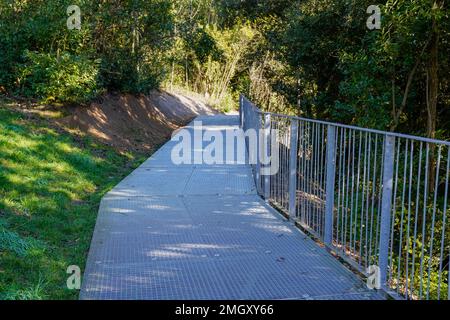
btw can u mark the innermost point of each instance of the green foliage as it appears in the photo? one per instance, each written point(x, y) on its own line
point(121, 46)
point(309, 57)
point(12, 242)
point(131, 38)
point(50, 189)
point(317, 58)
point(314, 58)
point(364, 97)
point(36, 292)
point(68, 78)
point(203, 45)
point(212, 61)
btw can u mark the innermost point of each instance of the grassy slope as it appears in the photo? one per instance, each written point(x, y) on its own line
point(50, 188)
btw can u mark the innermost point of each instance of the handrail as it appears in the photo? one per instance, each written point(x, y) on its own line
point(388, 133)
point(379, 199)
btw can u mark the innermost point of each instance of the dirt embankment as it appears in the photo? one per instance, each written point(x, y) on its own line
point(135, 123)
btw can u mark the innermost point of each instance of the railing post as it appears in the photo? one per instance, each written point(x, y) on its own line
point(266, 153)
point(330, 184)
point(386, 206)
point(258, 118)
point(293, 168)
point(241, 111)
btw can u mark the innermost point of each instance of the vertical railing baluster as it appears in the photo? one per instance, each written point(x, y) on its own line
point(293, 168)
point(330, 184)
point(258, 159)
point(266, 153)
point(386, 207)
point(362, 191)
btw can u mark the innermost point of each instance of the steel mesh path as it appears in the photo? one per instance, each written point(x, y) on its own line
point(202, 232)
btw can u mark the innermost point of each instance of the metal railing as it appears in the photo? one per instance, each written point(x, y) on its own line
point(375, 198)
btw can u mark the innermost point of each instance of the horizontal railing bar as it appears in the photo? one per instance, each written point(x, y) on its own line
point(368, 232)
point(387, 133)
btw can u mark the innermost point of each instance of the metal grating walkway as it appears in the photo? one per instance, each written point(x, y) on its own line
point(201, 232)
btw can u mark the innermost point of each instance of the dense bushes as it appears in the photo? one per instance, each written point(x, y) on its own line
point(311, 57)
point(126, 46)
point(121, 46)
point(317, 58)
point(67, 77)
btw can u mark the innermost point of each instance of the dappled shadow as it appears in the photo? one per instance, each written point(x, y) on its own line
point(50, 187)
point(200, 232)
point(238, 251)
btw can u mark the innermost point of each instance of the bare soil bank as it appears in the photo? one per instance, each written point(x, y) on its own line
point(134, 123)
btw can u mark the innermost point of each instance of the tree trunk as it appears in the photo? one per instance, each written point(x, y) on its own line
point(186, 71)
point(432, 96)
point(172, 75)
point(433, 86)
point(299, 96)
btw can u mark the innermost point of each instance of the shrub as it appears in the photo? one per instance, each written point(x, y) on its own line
point(64, 78)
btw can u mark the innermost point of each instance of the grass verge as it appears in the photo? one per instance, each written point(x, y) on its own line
point(51, 184)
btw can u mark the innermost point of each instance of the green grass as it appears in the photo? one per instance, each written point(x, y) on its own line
point(50, 189)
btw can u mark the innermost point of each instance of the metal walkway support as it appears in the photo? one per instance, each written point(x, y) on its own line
point(201, 231)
